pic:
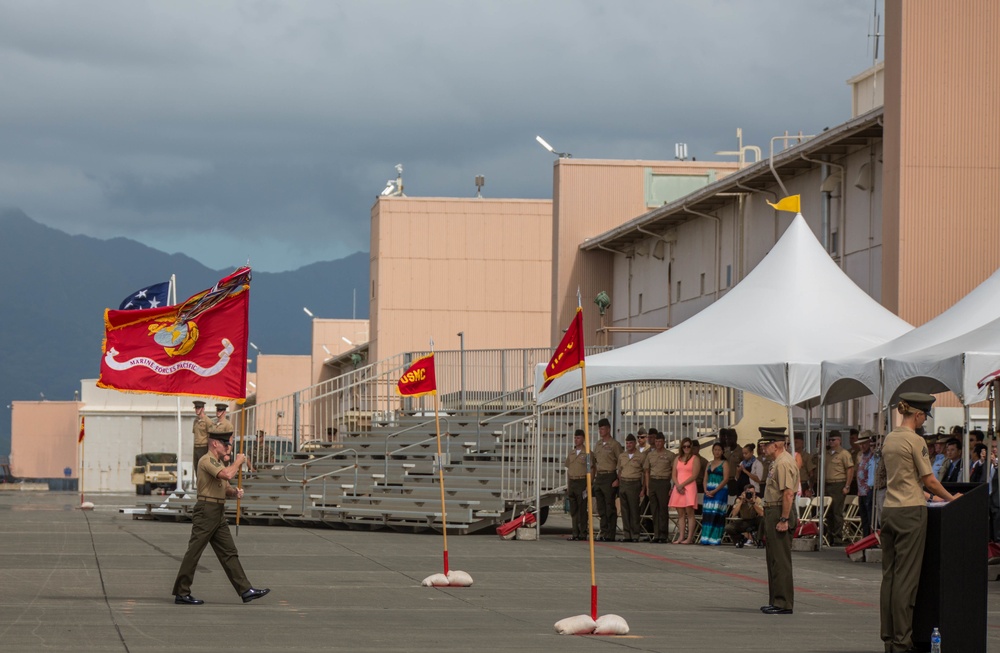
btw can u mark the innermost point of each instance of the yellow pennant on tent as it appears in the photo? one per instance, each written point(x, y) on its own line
point(791, 204)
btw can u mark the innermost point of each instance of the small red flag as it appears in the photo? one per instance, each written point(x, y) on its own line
point(569, 354)
point(80, 439)
point(195, 348)
point(419, 379)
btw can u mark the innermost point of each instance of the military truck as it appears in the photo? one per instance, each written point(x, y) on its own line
point(154, 470)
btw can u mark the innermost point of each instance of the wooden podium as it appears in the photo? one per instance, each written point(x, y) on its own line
point(952, 593)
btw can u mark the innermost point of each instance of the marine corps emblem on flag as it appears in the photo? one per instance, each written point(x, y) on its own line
point(194, 348)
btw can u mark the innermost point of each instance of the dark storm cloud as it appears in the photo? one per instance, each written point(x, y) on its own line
point(276, 124)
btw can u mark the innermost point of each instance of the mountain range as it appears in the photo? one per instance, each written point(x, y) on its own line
point(54, 288)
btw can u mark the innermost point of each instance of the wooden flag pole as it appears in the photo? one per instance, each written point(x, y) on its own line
point(82, 450)
point(590, 500)
point(239, 482)
point(444, 514)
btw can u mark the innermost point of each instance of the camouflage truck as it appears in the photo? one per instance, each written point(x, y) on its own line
point(154, 470)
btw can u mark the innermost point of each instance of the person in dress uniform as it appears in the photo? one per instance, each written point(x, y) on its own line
point(631, 481)
point(605, 484)
point(904, 519)
point(576, 487)
point(200, 431)
point(779, 520)
point(209, 526)
point(658, 467)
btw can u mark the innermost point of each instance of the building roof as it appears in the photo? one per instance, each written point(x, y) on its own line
point(759, 177)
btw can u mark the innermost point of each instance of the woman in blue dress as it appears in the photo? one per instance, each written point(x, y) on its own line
point(716, 501)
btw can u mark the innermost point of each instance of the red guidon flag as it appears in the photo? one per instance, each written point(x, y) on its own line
point(569, 354)
point(419, 379)
point(80, 439)
point(197, 348)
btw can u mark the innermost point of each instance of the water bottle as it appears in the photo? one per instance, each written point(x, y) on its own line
point(935, 641)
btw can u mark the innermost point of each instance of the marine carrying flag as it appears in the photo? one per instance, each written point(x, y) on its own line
point(152, 296)
point(569, 354)
point(419, 378)
point(792, 203)
point(196, 348)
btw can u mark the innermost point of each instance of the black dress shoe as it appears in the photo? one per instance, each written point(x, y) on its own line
point(776, 610)
point(252, 594)
point(187, 599)
point(765, 608)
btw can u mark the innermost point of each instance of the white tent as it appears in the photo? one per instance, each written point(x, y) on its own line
point(767, 335)
point(965, 365)
point(859, 375)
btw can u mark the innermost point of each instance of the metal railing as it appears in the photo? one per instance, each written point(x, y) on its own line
point(534, 447)
point(355, 402)
point(447, 442)
point(325, 475)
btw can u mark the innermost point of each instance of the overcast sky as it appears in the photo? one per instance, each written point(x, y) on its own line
point(265, 130)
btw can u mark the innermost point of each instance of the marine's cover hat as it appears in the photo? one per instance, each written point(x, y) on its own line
point(603, 422)
point(221, 406)
point(222, 436)
point(919, 401)
point(199, 404)
point(772, 434)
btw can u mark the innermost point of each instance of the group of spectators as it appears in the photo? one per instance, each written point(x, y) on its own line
point(647, 479)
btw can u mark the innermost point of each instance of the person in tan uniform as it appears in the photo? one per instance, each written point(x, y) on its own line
point(632, 481)
point(605, 484)
point(209, 526)
point(779, 520)
point(807, 471)
point(838, 477)
point(904, 519)
point(658, 467)
point(200, 431)
point(576, 487)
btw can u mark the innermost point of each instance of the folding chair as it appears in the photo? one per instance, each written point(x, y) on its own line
point(852, 518)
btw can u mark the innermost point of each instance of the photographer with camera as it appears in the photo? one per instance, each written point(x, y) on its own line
point(748, 511)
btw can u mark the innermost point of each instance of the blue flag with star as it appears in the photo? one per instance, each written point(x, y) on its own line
point(152, 296)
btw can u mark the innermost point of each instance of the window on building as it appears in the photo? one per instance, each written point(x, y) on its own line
point(678, 297)
point(729, 276)
point(834, 240)
point(640, 304)
point(701, 283)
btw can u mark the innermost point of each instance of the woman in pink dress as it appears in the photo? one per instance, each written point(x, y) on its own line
point(684, 497)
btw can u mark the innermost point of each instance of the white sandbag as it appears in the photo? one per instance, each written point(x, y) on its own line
point(581, 624)
point(436, 580)
point(611, 624)
point(458, 578)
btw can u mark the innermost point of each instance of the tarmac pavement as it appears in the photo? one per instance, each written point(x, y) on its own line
point(100, 580)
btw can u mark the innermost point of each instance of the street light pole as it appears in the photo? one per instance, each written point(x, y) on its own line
point(461, 347)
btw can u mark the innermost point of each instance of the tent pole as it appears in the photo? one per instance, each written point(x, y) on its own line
point(791, 432)
point(966, 454)
point(822, 476)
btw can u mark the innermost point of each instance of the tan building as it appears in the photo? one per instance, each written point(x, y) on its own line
point(50, 451)
point(440, 266)
point(903, 197)
point(592, 196)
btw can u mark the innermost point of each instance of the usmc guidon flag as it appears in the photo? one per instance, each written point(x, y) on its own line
point(197, 347)
point(419, 378)
point(569, 354)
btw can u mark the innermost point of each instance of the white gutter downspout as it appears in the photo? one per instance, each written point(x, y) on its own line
point(718, 244)
point(669, 258)
point(843, 208)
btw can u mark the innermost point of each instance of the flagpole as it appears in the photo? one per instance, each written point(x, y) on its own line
point(239, 481)
point(81, 445)
point(444, 512)
point(172, 298)
point(589, 501)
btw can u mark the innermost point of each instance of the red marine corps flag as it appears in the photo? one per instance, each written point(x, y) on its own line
point(569, 354)
point(197, 348)
point(419, 379)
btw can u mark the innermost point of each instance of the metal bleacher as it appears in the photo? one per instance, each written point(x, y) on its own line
point(378, 468)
